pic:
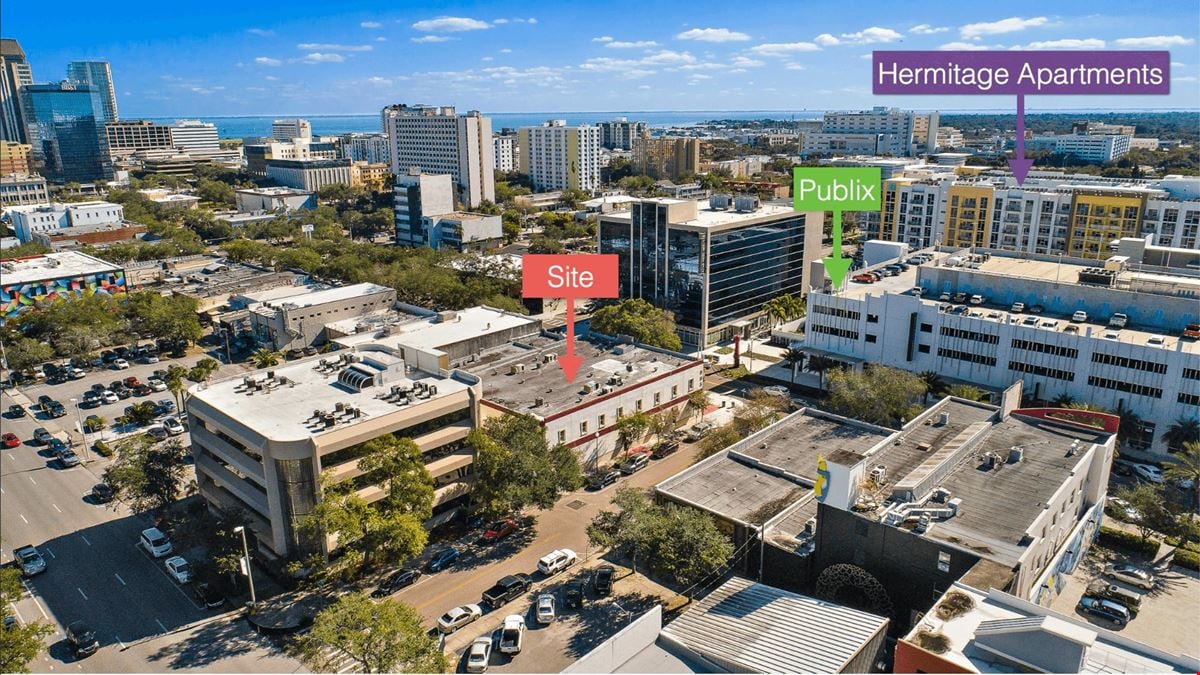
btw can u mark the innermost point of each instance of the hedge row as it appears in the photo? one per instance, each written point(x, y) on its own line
point(1186, 559)
point(1192, 546)
point(1129, 541)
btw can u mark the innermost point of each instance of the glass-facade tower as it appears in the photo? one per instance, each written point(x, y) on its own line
point(68, 121)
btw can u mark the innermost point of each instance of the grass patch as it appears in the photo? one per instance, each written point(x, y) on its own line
point(724, 350)
point(764, 357)
point(1186, 559)
point(735, 373)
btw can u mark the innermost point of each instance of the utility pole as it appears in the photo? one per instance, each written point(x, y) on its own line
point(240, 529)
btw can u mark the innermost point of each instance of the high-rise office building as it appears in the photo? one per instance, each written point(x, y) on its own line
point(195, 137)
point(712, 265)
point(620, 133)
point(99, 75)
point(130, 136)
point(286, 130)
point(369, 148)
point(14, 74)
point(417, 196)
point(437, 140)
point(878, 131)
point(558, 157)
point(67, 121)
point(505, 150)
point(667, 157)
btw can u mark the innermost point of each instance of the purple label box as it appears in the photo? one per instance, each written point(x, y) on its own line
point(1013, 72)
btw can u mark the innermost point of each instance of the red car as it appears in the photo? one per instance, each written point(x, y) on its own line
point(11, 440)
point(499, 530)
point(132, 382)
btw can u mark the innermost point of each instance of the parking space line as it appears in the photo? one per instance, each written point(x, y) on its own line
point(160, 625)
point(31, 480)
point(81, 592)
point(56, 507)
point(51, 553)
point(23, 518)
point(170, 580)
point(85, 540)
point(35, 600)
point(118, 576)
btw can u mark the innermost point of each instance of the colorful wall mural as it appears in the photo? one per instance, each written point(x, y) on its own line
point(16, 298)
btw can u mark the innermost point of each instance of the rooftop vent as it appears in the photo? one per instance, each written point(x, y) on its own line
point(1015, 454)
point(719, 202)
point(745, 203)
point(943, 419)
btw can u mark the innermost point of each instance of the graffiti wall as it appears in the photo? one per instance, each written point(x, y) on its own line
point(16, 298)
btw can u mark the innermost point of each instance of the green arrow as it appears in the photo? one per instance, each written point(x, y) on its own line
point(836, 266)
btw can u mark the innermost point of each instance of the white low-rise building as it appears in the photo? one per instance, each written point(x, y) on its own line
point(43, 218)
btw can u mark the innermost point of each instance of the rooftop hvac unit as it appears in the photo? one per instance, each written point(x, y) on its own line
point(339, 406)
point(943, 419)
point(270, 374)
point(537, 402)
point(433, 389)
point(1015, 454)
point(329, 420)
point(941, 495)
point(719, 202)
point(1098, 276)
point(878, 474)
point(745, 203)
point(629, 367)
point(549, 358)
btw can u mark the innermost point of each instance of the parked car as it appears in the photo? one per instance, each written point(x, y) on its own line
point(179, 569)
point(165, 407)
point(442, 559)
point(1017, 307)
point(545, 609)
point(82, 640)
point(158, 432)
point(156, 384)
point(15, 411)
point(57, 410)
point(1118, 320)
point(603, 478)
point(29, 560)
point(507, 589)
point(395, 582)
point(102, 493)
point(698, 431)
point(1036, 309)
point(131, 382)
point(602, 581)
point(1079, 317)
point(635, 463)
point(1156, 341)
point(41, 436)
point(977, 299)
point(458, 617)
point(122, 392)
point(1105, 609)
point(479, 654)
point(66, 456)
point(44, 401)
point(11, 440)
point(499, 530)
point(944, 297)
point(776, 390)
point(512, 634)
point(172, 426)
point(120, 364)
point(556, 561)
point(1030, 321)
point(208, 595)
point(109, 397)
point(573, 594)
point(149, 358)
point(1128, 599)
point(108, 356)
point(1130, 574)
point(142, 390)
point(664, 448)
point(1148, 472)
point(155, 542)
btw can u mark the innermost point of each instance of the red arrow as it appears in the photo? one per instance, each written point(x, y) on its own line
point(570, 363)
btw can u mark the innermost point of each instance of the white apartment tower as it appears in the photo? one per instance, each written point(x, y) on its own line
point(504, 150)
point(558, 157)
point(286, 130)
point(195, 137)
point(438, 141)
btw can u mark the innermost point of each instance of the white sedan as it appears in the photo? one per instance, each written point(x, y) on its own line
point(776, 391)
point(1148, 472)
point(479, 654)
point(121, 364)
point(179, 569)
point(172, 426)
point(545, 608)
point(459, 617)
point(157, 384)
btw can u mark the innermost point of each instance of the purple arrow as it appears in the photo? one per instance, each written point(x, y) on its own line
point(1019, 165)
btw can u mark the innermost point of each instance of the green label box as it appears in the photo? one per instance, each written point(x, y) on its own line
point(830, 188)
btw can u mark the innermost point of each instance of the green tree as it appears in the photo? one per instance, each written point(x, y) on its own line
point(175, 383)
point(383, 637)
point(19, 645)
point(1131, 424)
point(265, 358)
point(511, 224)
point(1185, 466)
point(717, 440)
point(966, 391)
point(693, 547)
point(1063, 400)
point(148, 476)
point(1149, 505)
point(664, 422)
point(820, 365)
point(631, 429)
point(215, 192)
point(203, 369)
point(698, 401)
point(640, 320)
point(879, 395)
point(1182, 430)
point(934, 384)
point(631, 529)
point(397, 465)
point(26, 353)
point(795, 359)
point(516, 468)
point(141, 413)
point(172, 317)
point(783, 308)
point(367, 534)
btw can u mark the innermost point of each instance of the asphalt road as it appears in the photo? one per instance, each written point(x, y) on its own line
point(96, 573)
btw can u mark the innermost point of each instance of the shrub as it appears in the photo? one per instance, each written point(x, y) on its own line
point(933, 642)
point(103, 449)
point(1192, 546)
point(735, 373)
point(1186, 559)
point(1115, 538)
point(955, 604)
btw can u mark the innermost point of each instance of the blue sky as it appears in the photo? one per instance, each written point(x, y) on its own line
point(243, 58)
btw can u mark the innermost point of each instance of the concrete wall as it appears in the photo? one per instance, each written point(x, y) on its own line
point(615, 651)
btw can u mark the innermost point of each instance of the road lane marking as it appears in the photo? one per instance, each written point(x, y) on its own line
point(35, 600)
point(160, 625)
point(56, 508)
point(118, 637)
point(51, 553)
point(81, 592)
point(118, 576)
point(31, 480)
point(23, 518)
point(85, 540)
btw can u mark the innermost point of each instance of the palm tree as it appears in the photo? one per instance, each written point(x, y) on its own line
point(967, 392)
point(1185, 466)
point(1131, 423)
point(1184, 430)
point(265, 358)
point(1074, 405)
point(934, 384)
point(820, 365)
point(795, 358)
point(697, 402)
point(1063, 400)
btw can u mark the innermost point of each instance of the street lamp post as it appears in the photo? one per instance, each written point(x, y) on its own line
point(249, 573)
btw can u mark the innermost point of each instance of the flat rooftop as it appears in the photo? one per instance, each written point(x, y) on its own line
point(539, 376)
point(708, 217)
point(274, 191)
point(435, 332)
point(336, 294)
point(283, 411)
point(1037, 628)
point(373, 322)
point(757, 478)
point(53, 266)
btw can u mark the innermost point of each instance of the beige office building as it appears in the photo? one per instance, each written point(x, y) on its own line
point(437, 140)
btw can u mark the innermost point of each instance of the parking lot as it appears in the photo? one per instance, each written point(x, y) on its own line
point(551, 648)
point(1167, 618)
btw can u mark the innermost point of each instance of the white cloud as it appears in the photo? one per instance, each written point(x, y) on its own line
point(1155, 41)
point(868, 56)
point(499, 22)
point(371, 24)
point(1177, 64)
point(450, 24)
point(261, 32)
point(872, 35)
point(318, 57)
point(700, 76)
point(271, 78)
point(669, 57)
point(1066, 43)
point(1185, 78)
point(784, 48)
point(1010, 25)
point(644, 86)
point(378, 80)
point(431, 38)
point(531, 20)
point(794, 66)
point(746, 62)
point(713, 35)
point(827, 40)
point(960, 46)
point(603, 38)
point(381, 39)
point(623, 44)
point(506, 50)
point(267, 61)
point(325, 46)
point(488, 58)
point(926, 29)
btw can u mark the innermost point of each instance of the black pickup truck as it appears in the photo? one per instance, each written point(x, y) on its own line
point(507, 589)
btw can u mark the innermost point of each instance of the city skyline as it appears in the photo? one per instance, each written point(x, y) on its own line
point(247, 61)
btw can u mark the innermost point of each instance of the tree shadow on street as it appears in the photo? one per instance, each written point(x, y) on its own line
point(601, 618)
point(212, 643)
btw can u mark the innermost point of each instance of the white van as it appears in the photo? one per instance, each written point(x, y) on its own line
point(155, 542)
